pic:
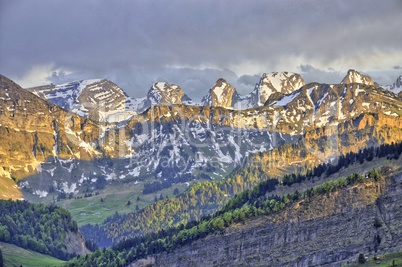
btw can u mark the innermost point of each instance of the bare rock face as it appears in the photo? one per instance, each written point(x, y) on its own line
point(396, 87)
point(398, 83)
point(83, 96)
point(75, 243)
point(161, 93)
point(221, 94)
point(98, 99)
point(102, 100)
point(356, 77)
point(327, 231)
point(270, 87)
point(278, 82)
point(33, 130)
point(165, 94)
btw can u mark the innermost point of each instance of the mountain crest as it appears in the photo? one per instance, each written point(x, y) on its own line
point(221, 94)
point(398, 83)
point(277, 82)
point(84, 97)
point(396, 87)
point(165, 94)
point(354, 76)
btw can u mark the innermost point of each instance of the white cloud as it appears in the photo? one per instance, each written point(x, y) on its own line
point(42, 74)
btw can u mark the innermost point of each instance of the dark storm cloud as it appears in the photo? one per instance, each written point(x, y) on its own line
point(397, 67)
point(193, 43)
point(248, 79)
point(312, 74)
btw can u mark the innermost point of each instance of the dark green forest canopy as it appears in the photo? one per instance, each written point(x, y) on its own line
point(36, 227)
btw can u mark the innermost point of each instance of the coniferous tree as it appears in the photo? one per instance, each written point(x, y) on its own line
point(361, 258)
point(176, 191)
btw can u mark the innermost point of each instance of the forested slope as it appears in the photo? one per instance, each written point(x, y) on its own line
point(44, 229)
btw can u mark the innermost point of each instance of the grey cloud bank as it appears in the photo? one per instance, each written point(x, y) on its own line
point(193, 43)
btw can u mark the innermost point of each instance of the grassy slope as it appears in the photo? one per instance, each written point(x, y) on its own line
point(115, 196)
point(382, 261)
point(16, 256)
point(9, 189)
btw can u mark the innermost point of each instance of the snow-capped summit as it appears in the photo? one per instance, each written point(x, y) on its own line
point(97, 99)
point(101, 99)
point(221, 94)
point(64, 95)
point(224, 95)
point(356, 77)
point(396, 87)
point(278, 82)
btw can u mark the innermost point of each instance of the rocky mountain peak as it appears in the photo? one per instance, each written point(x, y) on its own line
point(164, 93)
point(98, 99)
point(221, 94)
point(354, 76)
point(64, 95)
point(15, 101)
point(33, 130)
point(398, 83)
point(277, 82)
point(396, 87)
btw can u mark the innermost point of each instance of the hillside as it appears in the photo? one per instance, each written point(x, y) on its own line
point(33, 130)
point(45, 229)
point(297, 228)
point(205, 198)
point(16, 256)
point(304, 233)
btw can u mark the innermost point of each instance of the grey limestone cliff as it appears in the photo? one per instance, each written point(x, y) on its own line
point(327, 231)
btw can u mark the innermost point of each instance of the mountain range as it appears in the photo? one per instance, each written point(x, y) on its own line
point(88, 140)
point(172, 127)
point(113, 104)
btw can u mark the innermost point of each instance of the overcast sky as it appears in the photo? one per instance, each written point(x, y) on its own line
point(193, 43)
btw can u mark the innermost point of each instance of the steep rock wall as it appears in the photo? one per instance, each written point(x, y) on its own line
point(327, 231)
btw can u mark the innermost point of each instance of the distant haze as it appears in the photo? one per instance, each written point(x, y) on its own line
point(193, 43)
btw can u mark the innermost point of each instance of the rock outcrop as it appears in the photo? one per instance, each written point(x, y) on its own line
point(165, 94)
point(278, 82)
point(396, 87)
point(33, 130)
point(221, 94)
point(356, 77)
